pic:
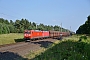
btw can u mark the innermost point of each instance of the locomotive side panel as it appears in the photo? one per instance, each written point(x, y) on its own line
point(45, 34)
point(36, 34)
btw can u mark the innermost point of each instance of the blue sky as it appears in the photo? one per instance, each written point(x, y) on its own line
point(49, 12)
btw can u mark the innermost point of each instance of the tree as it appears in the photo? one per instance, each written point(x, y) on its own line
point(27, 24)
point(56, 28)
point(11, 28)
point(6, 21)
point(21, 30)
point(85, 28)
point(11, 22)
point(1, 28)
point(7, 28)
point(88, 17)
point(1, 20)
point(20, 25)
point(4, 31)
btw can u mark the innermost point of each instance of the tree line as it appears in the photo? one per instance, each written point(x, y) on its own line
point(85, 28)
point(19, 26)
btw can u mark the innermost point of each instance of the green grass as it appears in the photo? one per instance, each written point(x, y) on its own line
point(32, 54)
point(11, 38)
point(68, 49)
point(76, 47)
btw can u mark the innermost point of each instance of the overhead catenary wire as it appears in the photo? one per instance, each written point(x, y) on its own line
point(6, 14)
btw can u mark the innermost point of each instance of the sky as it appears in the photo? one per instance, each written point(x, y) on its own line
point(49, 12)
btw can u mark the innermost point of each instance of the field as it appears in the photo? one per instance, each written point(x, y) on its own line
point(76, 47)
point(72, 48)
point(10, 38)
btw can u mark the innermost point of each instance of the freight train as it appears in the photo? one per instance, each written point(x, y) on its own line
point(37, 34)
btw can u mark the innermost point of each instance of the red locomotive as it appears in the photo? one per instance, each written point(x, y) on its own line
point(37, 34)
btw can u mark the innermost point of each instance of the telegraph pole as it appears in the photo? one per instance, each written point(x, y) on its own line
point(70, 28)
point(53, 28)
point(36, 25)
point(61, 27)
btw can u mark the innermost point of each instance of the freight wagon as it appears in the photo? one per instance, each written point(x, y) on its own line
point(58, 34)
point(55, 34)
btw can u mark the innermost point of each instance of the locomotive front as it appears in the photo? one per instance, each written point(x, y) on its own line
point(27, 35)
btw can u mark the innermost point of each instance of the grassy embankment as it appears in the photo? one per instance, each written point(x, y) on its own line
point(72, 48)
point(10, 38)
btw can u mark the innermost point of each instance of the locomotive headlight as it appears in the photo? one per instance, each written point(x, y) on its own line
point(24, 34)
point(29, 35)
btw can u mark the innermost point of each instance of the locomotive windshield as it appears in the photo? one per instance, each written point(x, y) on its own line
point(28, 32)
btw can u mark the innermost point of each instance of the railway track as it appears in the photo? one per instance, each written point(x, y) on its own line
point(24, 48)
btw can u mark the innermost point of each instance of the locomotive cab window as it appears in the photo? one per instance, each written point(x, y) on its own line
point(28, 32)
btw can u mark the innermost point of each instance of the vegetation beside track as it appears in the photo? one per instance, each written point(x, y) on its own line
point(32, 54)
point(11, 38)
point(76, 47)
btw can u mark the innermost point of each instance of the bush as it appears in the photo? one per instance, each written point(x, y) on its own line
point(83, 37)
point(67, 50)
